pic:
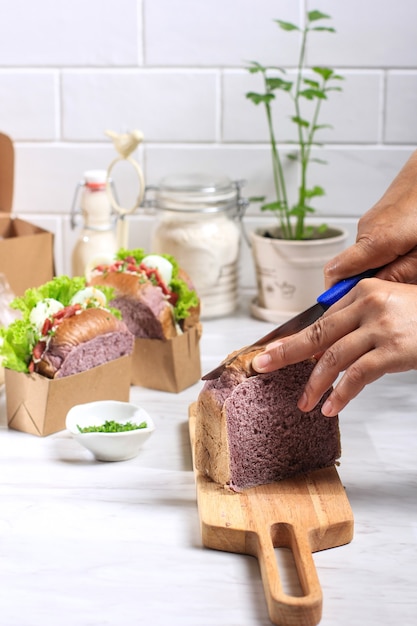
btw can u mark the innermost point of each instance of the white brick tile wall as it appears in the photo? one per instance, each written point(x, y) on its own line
point(373, 34)
point(401, 107)
point(355, 177)
point(168, 106)
point(47, 173)
point(251, 163)
point(42, 33)
point(216, 33)
point(29, 104)
point(175, 69)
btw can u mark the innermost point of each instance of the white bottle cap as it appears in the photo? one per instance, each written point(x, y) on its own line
point(95, 176)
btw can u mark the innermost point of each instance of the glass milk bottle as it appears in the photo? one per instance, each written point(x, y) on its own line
point(97, 241)
point(196, 223)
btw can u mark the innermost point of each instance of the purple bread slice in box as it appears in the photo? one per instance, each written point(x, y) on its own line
point(250, 432)
point(87, 339)
point(95, 352)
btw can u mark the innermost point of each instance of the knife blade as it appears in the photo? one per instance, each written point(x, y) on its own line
point(300, 321)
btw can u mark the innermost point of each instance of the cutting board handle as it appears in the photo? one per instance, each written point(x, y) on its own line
point(283, 608)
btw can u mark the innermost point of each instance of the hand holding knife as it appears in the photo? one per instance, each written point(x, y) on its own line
point(300, 321)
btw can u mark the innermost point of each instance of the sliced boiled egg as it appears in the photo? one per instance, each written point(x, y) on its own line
point(100, 259)
point(160, 263)
point(90, 296)
point(44, 309)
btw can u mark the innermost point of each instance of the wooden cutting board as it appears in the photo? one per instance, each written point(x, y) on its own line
point(305, 514)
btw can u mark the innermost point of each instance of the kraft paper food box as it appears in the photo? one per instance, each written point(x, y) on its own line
point(167, 358)
point(39, 405)
point(38, 402)
point(168, 365)
point(26, 250)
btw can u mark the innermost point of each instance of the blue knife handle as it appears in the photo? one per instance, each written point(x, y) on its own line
point(337, 291)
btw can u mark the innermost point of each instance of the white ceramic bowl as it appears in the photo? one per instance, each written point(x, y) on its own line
point(119, 446)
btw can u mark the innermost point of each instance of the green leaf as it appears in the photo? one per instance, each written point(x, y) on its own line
point(276, 67)
point(274, 206)
point(300, 122)
point(317, 160)
point(279, 83)
point(315, 15)
point(324, 72)
point(60, 288)
point(310, 94)
point(17, 344)
point(327, 73)
point(287, 25)
point(320, 126)
point(329, 29)
point(314, 192)
point(255, 67)
point(300, 210)
point(312, 83)
point(308, 232)
point(258, 98)
point(314, 232)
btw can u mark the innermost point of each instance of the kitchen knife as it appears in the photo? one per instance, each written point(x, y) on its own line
point(300, 321)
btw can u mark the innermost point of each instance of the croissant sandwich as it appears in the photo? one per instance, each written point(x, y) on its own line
point(66, 327)
point(155, 297)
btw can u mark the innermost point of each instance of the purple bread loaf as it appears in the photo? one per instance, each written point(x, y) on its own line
point(82, 341)
point(144, 307)
point(250, 432)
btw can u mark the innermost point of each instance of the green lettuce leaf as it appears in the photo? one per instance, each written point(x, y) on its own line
point(18, 339)
point(187, 298)
point(16, 345)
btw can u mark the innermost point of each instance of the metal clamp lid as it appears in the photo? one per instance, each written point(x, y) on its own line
point(196, 194)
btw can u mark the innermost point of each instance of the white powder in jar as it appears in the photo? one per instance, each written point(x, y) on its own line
point(207, 248)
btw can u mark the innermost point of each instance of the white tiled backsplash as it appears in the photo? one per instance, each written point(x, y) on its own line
point(175, 69)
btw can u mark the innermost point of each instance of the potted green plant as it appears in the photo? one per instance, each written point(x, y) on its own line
point(292, 240)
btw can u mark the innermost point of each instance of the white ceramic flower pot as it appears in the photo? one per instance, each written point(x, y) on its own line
point(290, 273)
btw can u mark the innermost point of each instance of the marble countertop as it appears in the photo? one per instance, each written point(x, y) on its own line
point(84, 543)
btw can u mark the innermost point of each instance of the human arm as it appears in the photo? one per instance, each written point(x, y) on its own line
point(370, 332)
point(386, 236)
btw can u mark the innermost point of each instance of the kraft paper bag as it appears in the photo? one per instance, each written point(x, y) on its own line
point(168, 365)
point(26, 250)
point(39, 405)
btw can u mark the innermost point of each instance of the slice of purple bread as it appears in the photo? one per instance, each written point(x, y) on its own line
point(250, 432)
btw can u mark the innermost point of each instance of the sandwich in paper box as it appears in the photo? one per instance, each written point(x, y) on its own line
point(161, 308)
point(68, 347)
point(26, 250)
